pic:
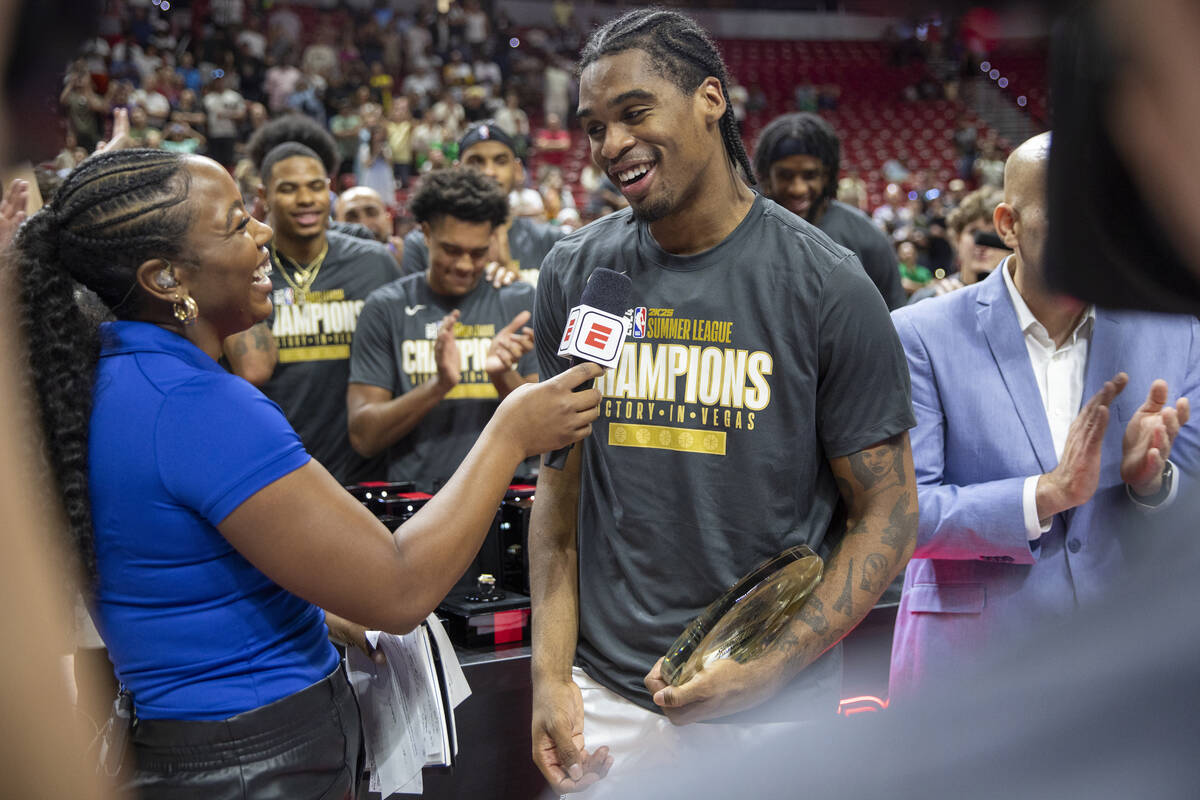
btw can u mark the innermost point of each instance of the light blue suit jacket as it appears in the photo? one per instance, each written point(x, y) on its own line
point(975, 581)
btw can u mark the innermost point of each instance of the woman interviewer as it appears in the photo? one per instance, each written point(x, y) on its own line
point(209, 535)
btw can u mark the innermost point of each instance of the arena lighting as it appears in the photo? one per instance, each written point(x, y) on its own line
point(1002, 83)
point(166, 5)
point(912, 195)
point(1021, 101)
point(994, 74)
point(857, 705)
point(985, 66)
point(514, 42)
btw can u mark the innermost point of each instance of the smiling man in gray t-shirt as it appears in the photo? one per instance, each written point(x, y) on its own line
point(761, 379)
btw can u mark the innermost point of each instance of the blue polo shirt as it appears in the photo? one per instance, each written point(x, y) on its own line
point(176, 444)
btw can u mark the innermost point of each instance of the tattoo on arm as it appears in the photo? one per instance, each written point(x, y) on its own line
point(878, 467)
point(812, 614)
point(874, 574)
point(263, 338)
point(844, 604)
point(900, 522)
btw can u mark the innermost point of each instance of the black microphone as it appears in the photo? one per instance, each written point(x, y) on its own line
point(595, 331)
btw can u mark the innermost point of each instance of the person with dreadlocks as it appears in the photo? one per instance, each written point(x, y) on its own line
point(181, 482)
point(762, 399)
point(797, 157)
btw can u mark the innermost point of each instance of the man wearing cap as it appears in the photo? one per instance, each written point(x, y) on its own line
point(435, 351)
point(521, 243)
point(797, 159)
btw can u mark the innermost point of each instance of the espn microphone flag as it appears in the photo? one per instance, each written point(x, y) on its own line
point(596, 329)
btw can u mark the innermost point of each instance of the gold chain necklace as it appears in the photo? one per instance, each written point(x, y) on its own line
point(302, 278)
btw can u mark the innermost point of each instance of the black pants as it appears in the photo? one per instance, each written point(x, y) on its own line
point(307, 746)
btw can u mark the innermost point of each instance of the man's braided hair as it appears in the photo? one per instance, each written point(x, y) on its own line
point(682, 51)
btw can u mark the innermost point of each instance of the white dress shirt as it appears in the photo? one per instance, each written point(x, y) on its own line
point(1059, 372)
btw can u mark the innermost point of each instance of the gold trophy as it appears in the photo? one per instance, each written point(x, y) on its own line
point(745, 620)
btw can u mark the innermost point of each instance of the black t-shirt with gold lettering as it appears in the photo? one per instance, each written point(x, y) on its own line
point(394, 349)
point(748, 367)
point(314, 337)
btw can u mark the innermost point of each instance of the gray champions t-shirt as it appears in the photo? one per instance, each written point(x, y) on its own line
point(748, 367)
point(394, 349)
point(528, 243)
point(309, 382)
point(854, 230)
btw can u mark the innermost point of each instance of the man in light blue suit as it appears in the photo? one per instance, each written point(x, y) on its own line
point(1030, 503)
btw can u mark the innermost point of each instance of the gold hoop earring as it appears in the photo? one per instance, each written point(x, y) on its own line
point(186, 311)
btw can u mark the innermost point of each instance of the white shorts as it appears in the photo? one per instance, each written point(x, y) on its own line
point(641, 741)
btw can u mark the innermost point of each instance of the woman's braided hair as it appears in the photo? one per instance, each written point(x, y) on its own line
point(115, 211)
point(682, 51)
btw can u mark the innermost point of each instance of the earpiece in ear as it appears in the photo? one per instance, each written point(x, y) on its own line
point(165, 280)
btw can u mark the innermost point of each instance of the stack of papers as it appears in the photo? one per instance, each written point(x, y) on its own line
point(408, 705)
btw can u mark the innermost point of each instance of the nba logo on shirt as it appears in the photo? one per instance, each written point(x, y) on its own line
point(639, 322)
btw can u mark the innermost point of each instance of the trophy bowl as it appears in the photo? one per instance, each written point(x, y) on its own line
point(747, 618)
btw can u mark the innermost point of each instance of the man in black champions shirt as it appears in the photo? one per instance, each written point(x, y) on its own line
point(797, 158)
point(762, 386)
point(300, 357)
point(436, 352)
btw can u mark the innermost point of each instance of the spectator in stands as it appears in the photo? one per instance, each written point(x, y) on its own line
point(894, 213)
point(556, 88)
point(966, 141)
point(373, 164)
point(226, 109)
point(797, 158)
point(381, 85)
point(989, 166)
point(895, 169)
point(141, 133)
point(300, 356)
point(84, 108)
point(974, 259)
point(557, 200)
point(304, 100)
point(552, 142)
point(1023, 507)
point(515, 122)
point(913, 275)
point(280, 81)
point(187, 110)
point(362, 205)
point(520, 243)
point(435, 351)
point(400, 127)
point(474, 104)
point(346, 126)
point(422, 82)
point(192, 77)
point(180, 137)
point(852, 190)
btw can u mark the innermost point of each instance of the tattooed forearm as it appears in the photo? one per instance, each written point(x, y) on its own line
point(874, 574)
point(812, 614)
point(902, 524)
point(845, 603)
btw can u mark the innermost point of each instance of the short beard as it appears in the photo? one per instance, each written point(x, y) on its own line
point(652, 211)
